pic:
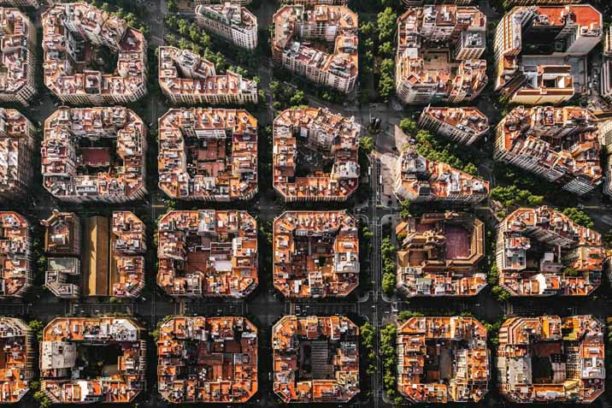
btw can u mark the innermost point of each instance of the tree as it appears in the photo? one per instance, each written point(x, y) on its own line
point(579, 217)
point(366, 29)
point(43, 400)
point(366, 143)
point(37, 328)
point(407, 314)
point(388, 284)
point(405, 209)
point(297, 99)
point(408, 126)
point(367, 335)
point(385, 24)
point(570, 271)
point(386, 49)
point(500, 293)
point(182, 27)
point(471, 168)
point(386, 85)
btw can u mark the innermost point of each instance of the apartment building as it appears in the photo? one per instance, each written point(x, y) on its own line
point(63, 250)
point(16, 274)
point(333, 136)
point(551, 359)
point(511, 3)
point(316, 254)
point(438, 54)
point(68, 378)
point(421, 180)
point(541, 252)
point(414, 3)
point(231, 22)
point(442, 360)
point(605, 139)
point(297, 26)
point(21, 3)
point(208, 154)
point(17, 143)
point(315, 2)
point(538, 50)
point(76, 37)
point(110, 261)
point(439, 254)
point(606, 67)
point(94, 154)
point(17, 371)
point(559, 144)
point(221, 350)
point(331, 375)
point(463, 125)
point(241, 2)
point(187, 78)
point(207, 253)
point(18, 54)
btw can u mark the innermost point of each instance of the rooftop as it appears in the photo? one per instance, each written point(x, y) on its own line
point(72, 35)
point(230, 14)
point(426, 180)
point(207, 253)
point(94, 154)
point(564, 140)
point(465, 119)
point(16, 144)
point(182, 72)
point(208, 154)
point(17, 360)
point(442, 359)
point(315, 359)
point(439, 255)
point(527, 32)
point(540, 251)
point(111, 347)
point(438, 49)
point(550, 359)
point(207, 359)
point(334, 137)
point(15, 256)
point(296, 27)
point(316, 254)
point(17, 45)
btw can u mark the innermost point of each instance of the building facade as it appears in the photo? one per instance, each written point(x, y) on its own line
point(18, 53)
point(94, 154)
point(73, 35)
point(542, 252)
point(187, 78)
point(231, 22)
point(296, 25)
point(423, 344)
point(551, 34)
point(438, 54)
point(17, 143)
point(223, 350)
point(16, 275)
point(207, 253)
point(464, 125)
point(333, 373)
point(571, 347)
point(559, 144)
point(334, 136)
point(330, 271)
point(208, 154)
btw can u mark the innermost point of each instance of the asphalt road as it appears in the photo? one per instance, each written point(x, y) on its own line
point(264, 307)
